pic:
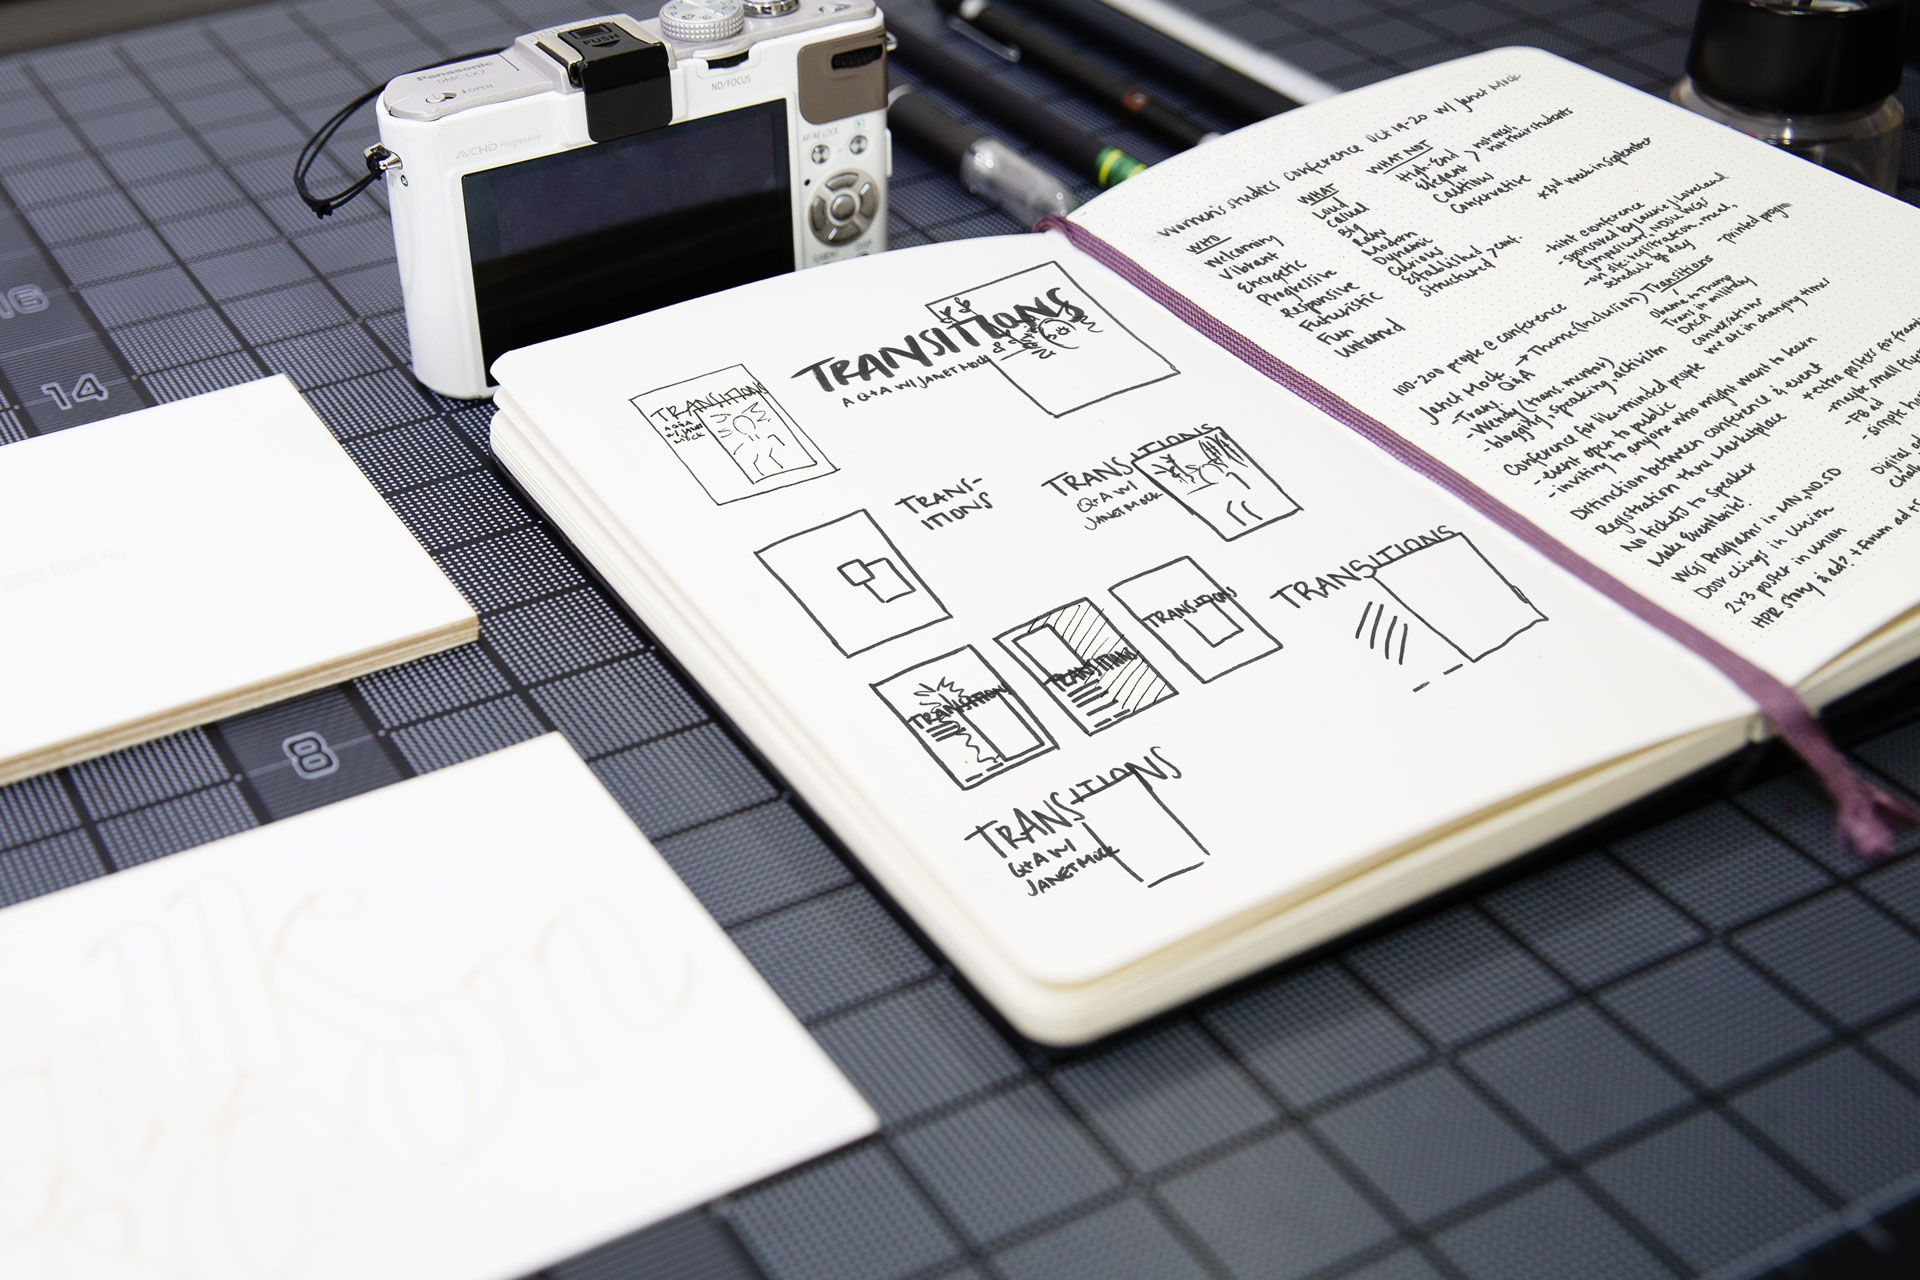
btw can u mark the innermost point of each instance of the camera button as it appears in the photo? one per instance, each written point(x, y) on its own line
point(843, 207)
point(857, 143)
point(820, 153)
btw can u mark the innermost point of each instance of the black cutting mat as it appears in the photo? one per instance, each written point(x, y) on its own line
point(1686, 1043)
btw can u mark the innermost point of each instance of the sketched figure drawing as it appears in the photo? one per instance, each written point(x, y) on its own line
point(1061, 335)
point(1044, 339)
point(1054, 343)
point(1026, 331)
point(1210, 474)
point(730, 433)
point(753, 438)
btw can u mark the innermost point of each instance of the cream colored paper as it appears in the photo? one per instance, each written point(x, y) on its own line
point(1127, 671)
point(462, 1027)
point(1659, 339)
point(189, 561)
point(879, 630)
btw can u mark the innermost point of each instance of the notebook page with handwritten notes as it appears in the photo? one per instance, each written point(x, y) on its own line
point(1689, 356)
point(1106, 657)
point(459, 1028)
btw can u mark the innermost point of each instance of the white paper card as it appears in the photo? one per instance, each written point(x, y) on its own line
point(193, 560)
point(461, 1027)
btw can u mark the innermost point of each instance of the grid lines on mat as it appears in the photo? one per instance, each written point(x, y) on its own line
point(1685, 1045)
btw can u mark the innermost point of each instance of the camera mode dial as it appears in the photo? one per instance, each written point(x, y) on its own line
point(702, 21)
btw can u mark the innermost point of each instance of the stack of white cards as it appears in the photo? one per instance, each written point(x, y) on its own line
point(187, 562)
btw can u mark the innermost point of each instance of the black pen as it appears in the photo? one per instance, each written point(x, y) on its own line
point(986, 166)
point(1246, 97)
point(1063, 140)
point(1042, 48)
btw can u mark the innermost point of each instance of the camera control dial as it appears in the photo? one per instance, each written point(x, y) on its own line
point(844, 207)
point(702, 21)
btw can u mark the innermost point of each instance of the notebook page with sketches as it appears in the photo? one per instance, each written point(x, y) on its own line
point(1002, 566)
point(185, 562)
point(1660, 340)
point(455, 1029)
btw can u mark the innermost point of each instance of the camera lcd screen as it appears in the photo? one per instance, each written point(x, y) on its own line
point(569, 241)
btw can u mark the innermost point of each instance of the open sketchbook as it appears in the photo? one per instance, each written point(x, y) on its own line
point(1128, 671)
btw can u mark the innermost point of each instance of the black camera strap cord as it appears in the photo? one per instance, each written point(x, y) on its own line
point(322, 206)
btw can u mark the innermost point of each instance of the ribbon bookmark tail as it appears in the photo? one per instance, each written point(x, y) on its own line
point(1871, 818)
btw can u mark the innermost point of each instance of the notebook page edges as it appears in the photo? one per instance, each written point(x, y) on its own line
point(158, 566)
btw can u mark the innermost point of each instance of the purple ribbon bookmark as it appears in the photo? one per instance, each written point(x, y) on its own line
point(1868, 815)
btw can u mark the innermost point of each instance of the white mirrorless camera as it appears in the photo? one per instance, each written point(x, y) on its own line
point(608, 167)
